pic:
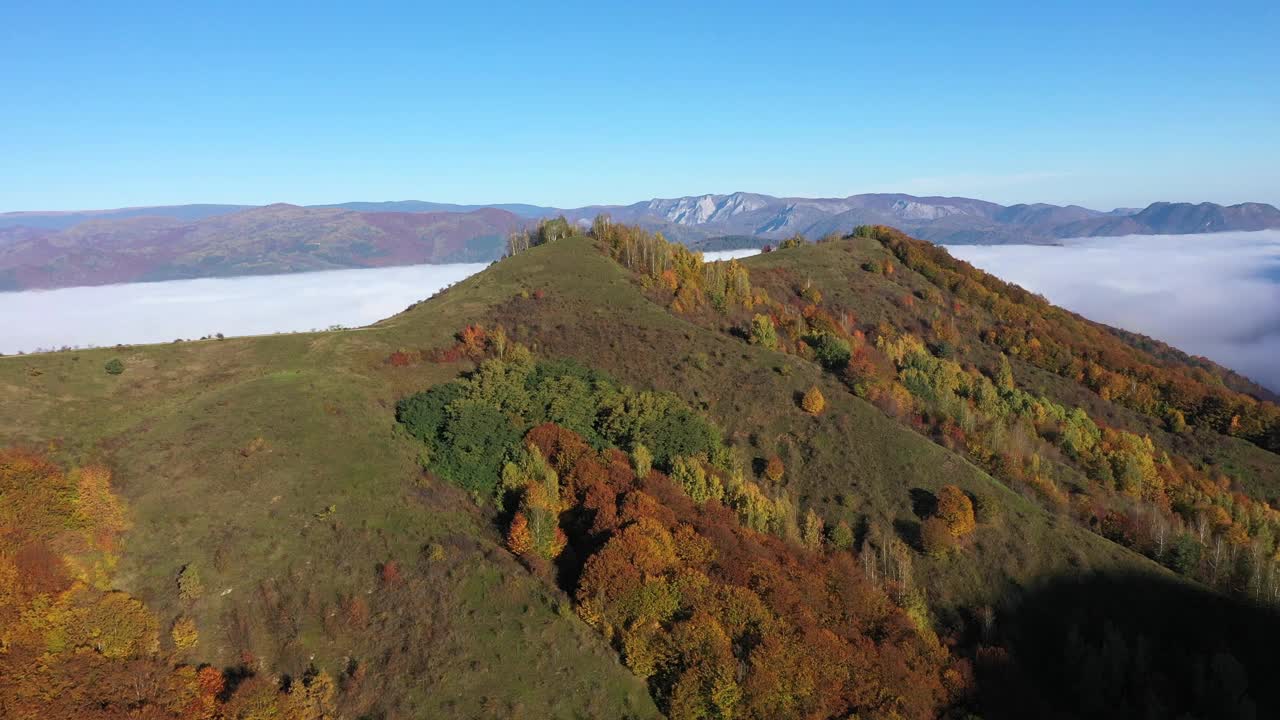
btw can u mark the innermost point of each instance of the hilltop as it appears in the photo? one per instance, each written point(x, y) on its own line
point(328, 535)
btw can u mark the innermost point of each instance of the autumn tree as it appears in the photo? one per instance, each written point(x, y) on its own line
point(774, 468)
point(956, 509)
point(641, 460)
point(754, 509)
point(692, 476)
point(860, 371)
point(794, 241)
point(842, 536)
point(936, 537)
point(190, 588)
point(763, 332)
point(811, 534)
point(813, 401)
point(313, 697)
point(389, 573)
point(535, 528)
point(1004, 374)
point(96, 503)
point(184, 633)
point(519, 541)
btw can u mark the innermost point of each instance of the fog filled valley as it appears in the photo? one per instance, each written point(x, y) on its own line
point(156, 312)
point(106, 315)
point(1216, 295)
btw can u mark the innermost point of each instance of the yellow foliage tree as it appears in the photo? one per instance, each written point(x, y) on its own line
point(97, 507)
point(811, 535)
point(842, 536)
point(114, 624)
point(813, 402)
point(311, 699)
point(184, 633)
point(641, 460)
point(190, 588)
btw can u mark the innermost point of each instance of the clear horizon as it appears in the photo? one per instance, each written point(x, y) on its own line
point(571, 207)
point(1094, 105)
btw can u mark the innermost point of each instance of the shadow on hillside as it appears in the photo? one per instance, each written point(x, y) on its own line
point(923, 503)
point(1131, 647)
point(908, 531)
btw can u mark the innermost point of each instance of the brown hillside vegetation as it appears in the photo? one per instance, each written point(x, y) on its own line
point(72, 648)
point(675, 567)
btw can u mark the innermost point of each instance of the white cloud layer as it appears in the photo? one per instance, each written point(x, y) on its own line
point(1216, 295)
point(163, 311)
point(729, 254)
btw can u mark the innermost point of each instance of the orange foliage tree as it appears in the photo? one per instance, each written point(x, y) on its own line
point(955, 507)
point(936, 536)
point(774, 469)
point(723, 621)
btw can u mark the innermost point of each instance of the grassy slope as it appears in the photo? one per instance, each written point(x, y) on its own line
point(179, 428)
point(852, 462)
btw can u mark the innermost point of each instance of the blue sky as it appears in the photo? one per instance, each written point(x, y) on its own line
point(586, 103)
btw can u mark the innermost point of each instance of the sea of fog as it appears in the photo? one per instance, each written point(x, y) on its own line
point(1216, 295)
point(164, 311)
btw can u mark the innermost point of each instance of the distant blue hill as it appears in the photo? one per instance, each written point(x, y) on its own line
point(709, 219)
point(418, 206)
point(63, 220)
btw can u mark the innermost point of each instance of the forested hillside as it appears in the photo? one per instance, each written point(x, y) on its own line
point(605, 478)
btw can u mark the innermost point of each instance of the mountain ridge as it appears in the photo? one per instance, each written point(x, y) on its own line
point(274, 239)
point(60, 249)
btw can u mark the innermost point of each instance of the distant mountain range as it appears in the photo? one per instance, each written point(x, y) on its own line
point(255, 241)
point(945, 220)
point(93, 247)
